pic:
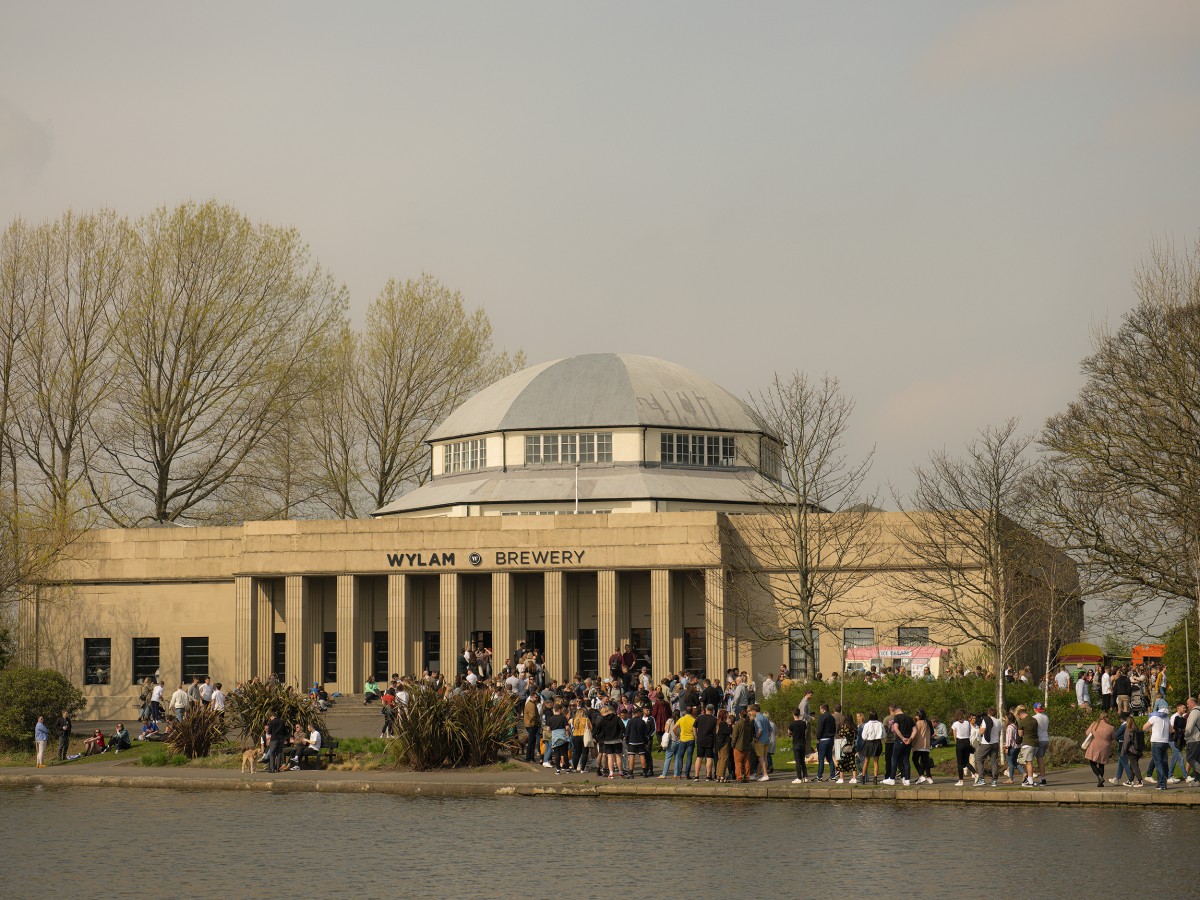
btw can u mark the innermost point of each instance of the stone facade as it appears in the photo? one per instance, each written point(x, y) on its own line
point(338, 601)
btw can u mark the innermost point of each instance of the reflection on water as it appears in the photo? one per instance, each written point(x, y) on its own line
point(94, 842)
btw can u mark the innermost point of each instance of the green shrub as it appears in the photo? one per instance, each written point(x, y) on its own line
point(470, 728)
point(159, 756)
point(940, 698)
point(25, 694)
point(1063, 752)
point(249, 708)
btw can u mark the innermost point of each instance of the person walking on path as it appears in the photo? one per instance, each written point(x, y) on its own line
point(989, 747)
point(63, 728)
point(1099, 747)
point(1129, 756)
point(41, 737)
point(1159, 727)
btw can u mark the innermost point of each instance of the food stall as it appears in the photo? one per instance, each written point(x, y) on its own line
point(913, 659)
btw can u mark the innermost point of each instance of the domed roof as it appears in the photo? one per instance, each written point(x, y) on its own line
point(599, 390)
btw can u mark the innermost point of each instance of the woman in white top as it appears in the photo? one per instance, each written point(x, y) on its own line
point(961, 729)
point(872, 736)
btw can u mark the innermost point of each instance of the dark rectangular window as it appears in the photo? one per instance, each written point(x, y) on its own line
point(480, 640)
point(329, 657)
point(693, 650)
point(912, 637)
point(432, 651)
point(589, 652)
point(536, 640)
point(193, 657)
point(639, 640)
point(97, 660)
point(379, 656)
point(859, 637)
point(279, 656)
point(145, 659)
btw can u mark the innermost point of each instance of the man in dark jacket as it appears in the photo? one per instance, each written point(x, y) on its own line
point(277, 734)
point(63, 728)
point(638, 733)
point(609, 735)
point(826, 732)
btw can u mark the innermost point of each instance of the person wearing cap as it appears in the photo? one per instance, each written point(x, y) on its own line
point(1043, 738)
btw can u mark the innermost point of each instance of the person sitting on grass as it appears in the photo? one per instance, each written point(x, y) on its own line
point(149, 731)
point(94, 744)
point(120, 739)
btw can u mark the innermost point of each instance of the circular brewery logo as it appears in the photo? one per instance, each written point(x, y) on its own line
point(475, 559)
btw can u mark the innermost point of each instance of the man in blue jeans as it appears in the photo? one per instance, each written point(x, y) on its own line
point(905, 729)
point(1159, 726)
point(826, 732)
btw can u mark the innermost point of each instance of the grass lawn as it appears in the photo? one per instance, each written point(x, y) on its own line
point(76, 746)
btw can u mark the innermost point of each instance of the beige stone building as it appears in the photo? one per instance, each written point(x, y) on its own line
point(577, 505)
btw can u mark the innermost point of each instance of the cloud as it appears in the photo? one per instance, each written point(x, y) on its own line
point(24, 144)
point(1032, 37)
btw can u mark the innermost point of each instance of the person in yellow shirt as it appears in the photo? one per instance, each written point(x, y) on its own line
point(685, 731)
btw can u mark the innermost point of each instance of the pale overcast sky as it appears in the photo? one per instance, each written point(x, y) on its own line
point(935, 202)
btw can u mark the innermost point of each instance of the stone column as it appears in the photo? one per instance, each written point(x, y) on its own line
point(715, 639)
point(398, 600)
point(612, 617)
point(349, 634)
point(414, 631)
point(562, 621)
point(504, 625)
point(245, 622)
point(299, 630)
point(262, 598)
point(660, 623)
point(452, 631)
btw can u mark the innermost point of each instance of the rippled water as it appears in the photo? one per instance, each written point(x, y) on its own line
point(113, 842)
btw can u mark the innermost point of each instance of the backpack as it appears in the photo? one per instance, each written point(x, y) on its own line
point(1139, 744)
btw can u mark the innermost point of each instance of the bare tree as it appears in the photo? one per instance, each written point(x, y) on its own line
point(967, 551)
point(808, 550)
point(77, 275)
point(224, 318)
point(1127, 449)
point(334, 430)
point(420, 356)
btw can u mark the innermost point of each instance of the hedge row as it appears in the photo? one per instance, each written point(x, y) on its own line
point(940, 699)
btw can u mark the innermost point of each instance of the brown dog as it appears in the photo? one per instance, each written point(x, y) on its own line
point(249, 758)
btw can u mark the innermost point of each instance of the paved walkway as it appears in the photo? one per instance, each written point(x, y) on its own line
point(1074, 787)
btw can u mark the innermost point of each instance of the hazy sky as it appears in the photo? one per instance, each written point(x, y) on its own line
point(935, 202)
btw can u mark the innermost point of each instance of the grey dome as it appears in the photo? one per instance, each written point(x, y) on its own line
point(599, 390)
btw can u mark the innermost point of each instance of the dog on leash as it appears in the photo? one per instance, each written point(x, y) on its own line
point(248, 759)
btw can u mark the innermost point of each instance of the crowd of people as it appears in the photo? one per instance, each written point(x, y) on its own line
point(716, 730)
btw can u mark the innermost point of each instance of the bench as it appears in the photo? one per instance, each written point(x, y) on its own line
point(328, 746)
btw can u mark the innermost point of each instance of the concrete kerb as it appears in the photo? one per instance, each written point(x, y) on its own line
point(452, 789)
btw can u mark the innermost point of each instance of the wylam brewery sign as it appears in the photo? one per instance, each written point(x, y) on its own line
point(439, 559)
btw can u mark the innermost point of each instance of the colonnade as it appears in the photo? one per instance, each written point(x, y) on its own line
point(257, 602)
